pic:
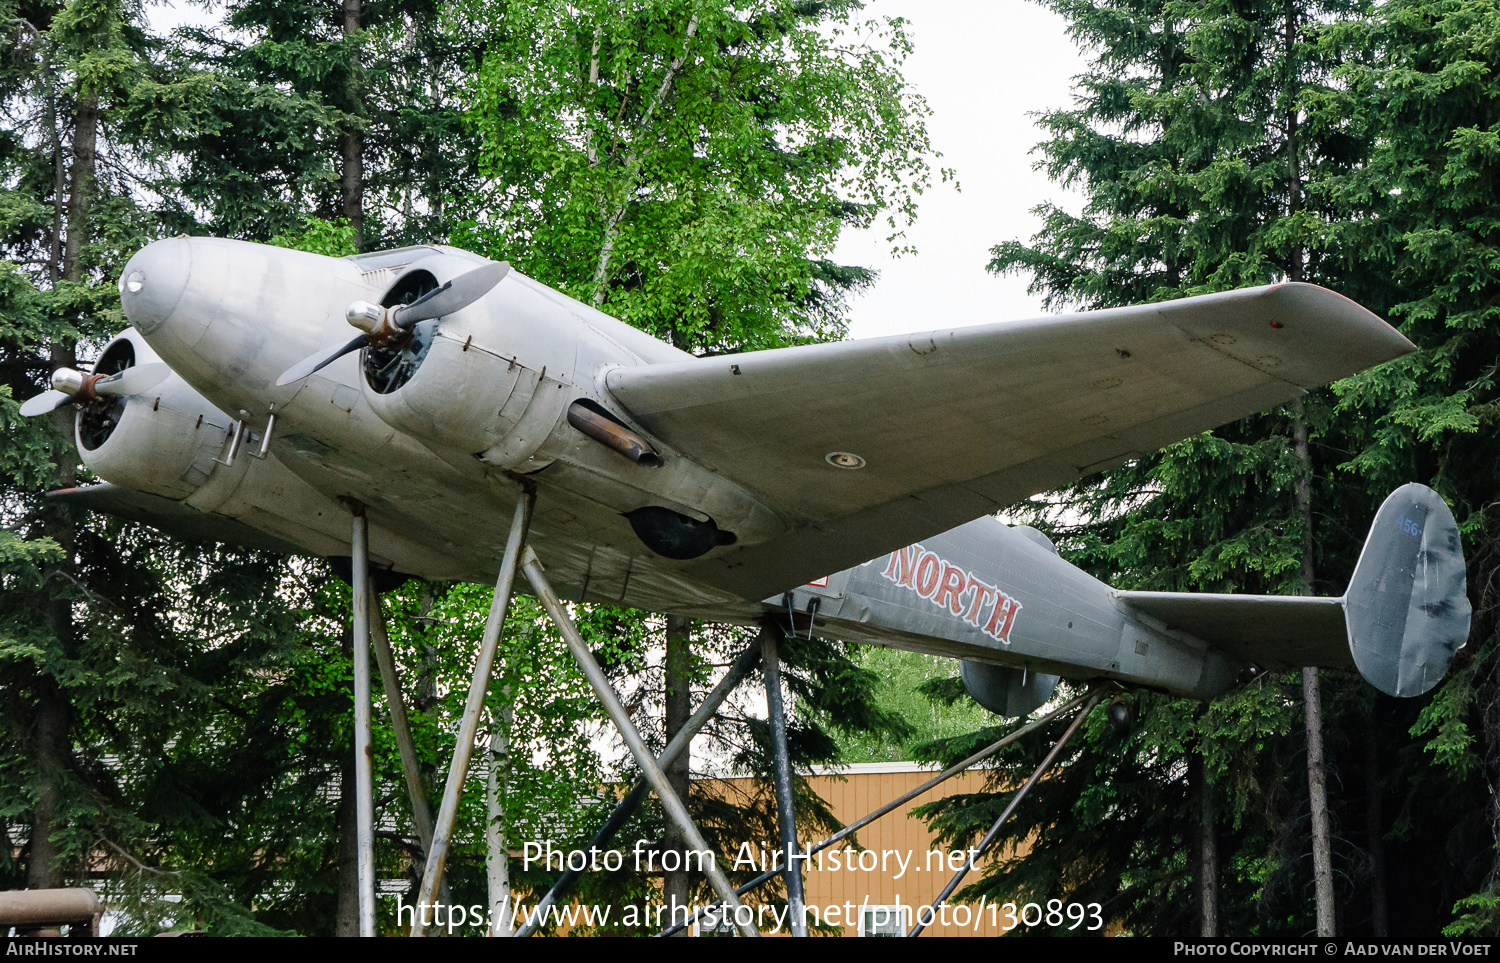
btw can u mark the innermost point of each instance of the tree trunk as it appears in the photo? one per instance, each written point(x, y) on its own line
point(50, 734)
point(346, 919)
point(1312, 700)
point(1208, 848)
point(1317, 801)
point(53, 716)
point(1293, 155)
point(1375, 825)
point(497, 857)
point(346, 923)
point(353, 183)
point(679, 677)
point(1317, 777)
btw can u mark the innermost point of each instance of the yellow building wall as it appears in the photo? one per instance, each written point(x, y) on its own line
point(892, 837)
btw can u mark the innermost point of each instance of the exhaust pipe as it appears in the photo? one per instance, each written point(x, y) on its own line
point(609, 431)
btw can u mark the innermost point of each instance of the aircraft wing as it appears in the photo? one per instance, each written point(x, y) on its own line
point(170, 516)
point(952, 425)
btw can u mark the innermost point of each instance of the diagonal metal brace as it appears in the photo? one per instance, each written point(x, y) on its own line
point(786, 818)
point(1015, 801)
point(904, 798)
point(738, 670)
point(421, 813)
point(676, 811)
point(437, 857)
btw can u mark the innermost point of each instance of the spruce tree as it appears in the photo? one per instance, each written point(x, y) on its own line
point(1427, 232)
point(80, 108)
point(1208, 141)
point(131, 665)
point(350, 115)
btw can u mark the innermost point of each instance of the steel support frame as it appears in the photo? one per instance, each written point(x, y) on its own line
point(606, 694)
point(738, 670)
point(906, 797)
point(519, 555)
point(1094, 698)
point(786, 817)
point(363, 777)
point(369, 624)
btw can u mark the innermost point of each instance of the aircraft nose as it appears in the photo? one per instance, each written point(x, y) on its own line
point(154, 281)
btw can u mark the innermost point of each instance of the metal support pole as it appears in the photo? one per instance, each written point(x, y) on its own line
point(496, 851)
point(907, 796)
point(626, 807)
point(786, 816)
point(364, 783)
point(676, 811)
point(421, 812)
point(437, 857)
point(1015, 801)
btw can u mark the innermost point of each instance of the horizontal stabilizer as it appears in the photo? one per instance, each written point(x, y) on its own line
point(1405, 614)
point(1273, 631)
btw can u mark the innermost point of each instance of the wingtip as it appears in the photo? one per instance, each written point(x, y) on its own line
point(1362, 337)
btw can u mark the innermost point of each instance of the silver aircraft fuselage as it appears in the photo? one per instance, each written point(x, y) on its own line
point(437, 466)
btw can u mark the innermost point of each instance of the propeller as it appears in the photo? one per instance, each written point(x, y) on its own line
point(385, 326)
point(69, 386)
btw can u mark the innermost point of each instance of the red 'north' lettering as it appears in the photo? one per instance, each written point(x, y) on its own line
point(1010, 619)
point(928, 570)
point(903, 565)
point(997, 617)
point(984, 593)
point(944, 584)
point(953, 582)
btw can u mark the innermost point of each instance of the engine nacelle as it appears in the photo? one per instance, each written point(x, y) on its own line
point(163, 442)
point(483, 382)
point(513, 380)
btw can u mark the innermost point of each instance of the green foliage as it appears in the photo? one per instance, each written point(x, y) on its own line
point(1221, 145)
point(289, 84)
point(906, 680)
point(1481, 915)
point(318, 236)
point(688, 166)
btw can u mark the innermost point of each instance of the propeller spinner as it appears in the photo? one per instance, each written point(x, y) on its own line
point(71, 386)
point(386, 326)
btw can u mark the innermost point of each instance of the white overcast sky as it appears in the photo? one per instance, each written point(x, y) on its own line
point(983, 66)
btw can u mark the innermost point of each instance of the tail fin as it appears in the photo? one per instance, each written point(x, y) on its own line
point(1407, 611)
point(1405, 614)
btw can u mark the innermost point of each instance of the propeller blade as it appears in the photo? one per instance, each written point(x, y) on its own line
point(133, 380)
point(49, 400)
point(317, 362)
point(457, 294)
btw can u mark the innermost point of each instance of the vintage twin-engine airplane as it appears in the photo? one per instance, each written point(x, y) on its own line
point(730, 487)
